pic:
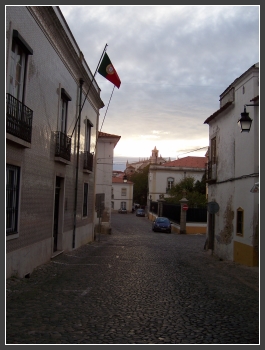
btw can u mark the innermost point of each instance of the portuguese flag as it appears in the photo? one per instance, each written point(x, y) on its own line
point(107, 70)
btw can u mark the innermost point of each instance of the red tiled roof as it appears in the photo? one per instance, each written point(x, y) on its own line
point(188, 162)
point(119, 180)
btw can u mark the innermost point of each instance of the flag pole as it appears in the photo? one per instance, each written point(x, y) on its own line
point(107, 107)
point(89, 88)
point(104, 117)
point(78, 141)
point(77, 166)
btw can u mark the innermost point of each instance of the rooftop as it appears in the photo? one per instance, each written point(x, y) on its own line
point(188, 162)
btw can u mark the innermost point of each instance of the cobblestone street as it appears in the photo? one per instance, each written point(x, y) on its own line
point(135, 286)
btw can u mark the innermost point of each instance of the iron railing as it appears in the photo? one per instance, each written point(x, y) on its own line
point(173, 211)
point(18, 118)
point(63, 145)
point(88, 161)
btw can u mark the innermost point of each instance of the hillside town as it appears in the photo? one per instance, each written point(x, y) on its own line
point(164, 251)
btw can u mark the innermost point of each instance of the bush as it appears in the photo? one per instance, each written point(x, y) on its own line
point(195, 192)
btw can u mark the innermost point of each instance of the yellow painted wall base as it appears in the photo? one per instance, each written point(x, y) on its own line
point(195, 229)
point(245, 254)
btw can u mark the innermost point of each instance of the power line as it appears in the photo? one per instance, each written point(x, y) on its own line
point(194, 150)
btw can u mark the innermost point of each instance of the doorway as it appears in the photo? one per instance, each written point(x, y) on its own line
point(211, 225)
point(56, 213)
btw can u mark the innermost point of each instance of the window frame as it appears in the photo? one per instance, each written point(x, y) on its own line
point(15, 205)
point(240, 221)
point(65, 98)
point(213, 150)
point(88, 130)
point(85, 199)
point(20, 51)
point(170, 184)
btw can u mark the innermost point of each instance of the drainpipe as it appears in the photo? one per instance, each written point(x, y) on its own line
point(81, 81)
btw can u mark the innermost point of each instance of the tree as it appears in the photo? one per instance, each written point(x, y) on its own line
point(140, 187)
point(195, 192)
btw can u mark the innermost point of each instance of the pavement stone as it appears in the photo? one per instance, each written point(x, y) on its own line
point(135, 286)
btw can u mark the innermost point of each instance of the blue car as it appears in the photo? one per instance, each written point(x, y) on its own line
point(140, 212)
point(161, 224)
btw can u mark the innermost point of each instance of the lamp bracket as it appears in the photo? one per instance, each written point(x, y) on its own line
point(252, 105)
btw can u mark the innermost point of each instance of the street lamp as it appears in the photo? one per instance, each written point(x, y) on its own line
point(245, 121)
point(125, 178)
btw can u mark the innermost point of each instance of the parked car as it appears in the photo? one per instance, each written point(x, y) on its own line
point(122, 211)
point(161, 224)
point(140, 212)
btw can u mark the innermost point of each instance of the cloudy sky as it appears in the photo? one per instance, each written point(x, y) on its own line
point(173, 63)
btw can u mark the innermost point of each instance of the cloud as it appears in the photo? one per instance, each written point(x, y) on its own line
point(173, 62)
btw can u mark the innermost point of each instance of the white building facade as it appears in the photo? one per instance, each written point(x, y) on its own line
point(161, 178)
point(105, 148)
point(122, 194)
point(233, 169)
point(50, 162)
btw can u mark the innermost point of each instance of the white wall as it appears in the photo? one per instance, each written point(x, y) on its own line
point(118, 198)
point(237, 161)
point(157, 178)
point(105, 148)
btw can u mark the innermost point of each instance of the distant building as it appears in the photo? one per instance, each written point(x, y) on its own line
point(122, 194)
point(105, 148)
point(162, 177)
point(131, 168)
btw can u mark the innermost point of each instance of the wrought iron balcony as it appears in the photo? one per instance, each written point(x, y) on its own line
point(88, 161)
point(63, 146)
point(18, 119)
point(211, 172)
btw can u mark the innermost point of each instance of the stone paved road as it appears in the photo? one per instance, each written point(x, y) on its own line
point(135, 287)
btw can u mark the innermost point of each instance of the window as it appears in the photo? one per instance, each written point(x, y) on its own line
point(123, 191)
point(65, 98)
point(85, 199)
point(240, 221)
point(18, 66)
point(170, 182)
point(89, 125)
point(213, 150)
point(112, 194)
point(12, 197)
point(123, 205)
point(88, 156)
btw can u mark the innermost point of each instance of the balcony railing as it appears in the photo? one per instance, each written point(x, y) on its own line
point(18, 119)
point(63, 146)
point(88, 161)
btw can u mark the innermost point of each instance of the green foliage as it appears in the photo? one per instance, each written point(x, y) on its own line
point(195, 192)
point(140, 188)
point(200, 186)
